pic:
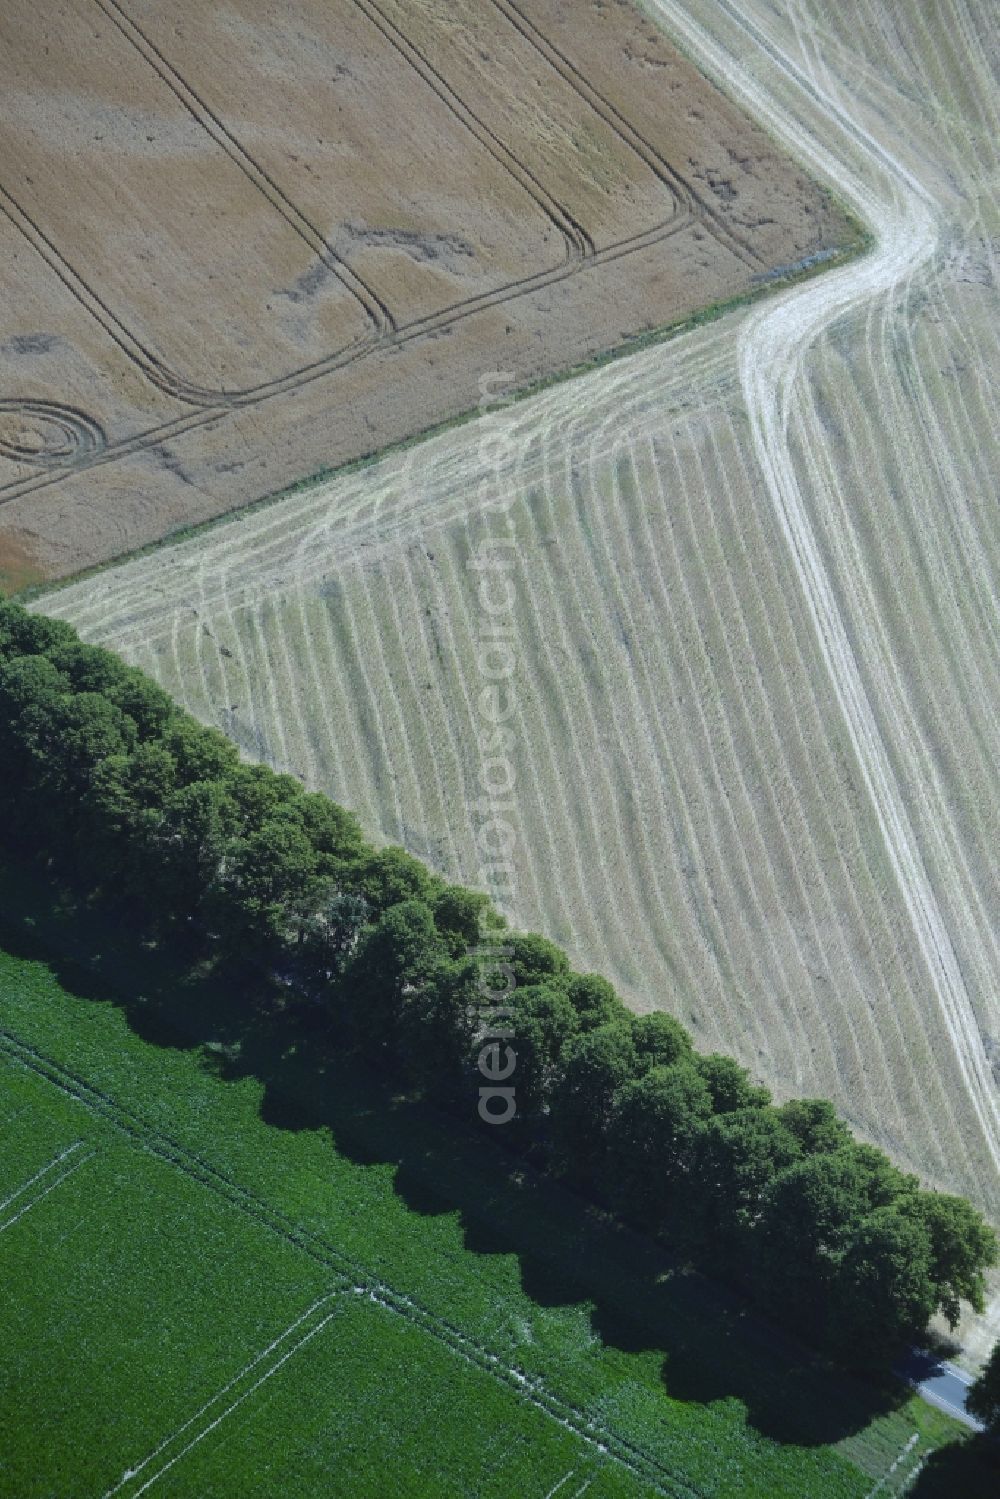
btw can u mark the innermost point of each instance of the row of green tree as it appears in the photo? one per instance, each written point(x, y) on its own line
point(137, 806)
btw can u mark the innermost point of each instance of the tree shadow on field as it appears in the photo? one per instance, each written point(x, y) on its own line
point(968, 1469)
point(569, 1252)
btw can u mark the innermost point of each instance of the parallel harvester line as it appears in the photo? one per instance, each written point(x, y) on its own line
point(755, 854)
point(289, 694)
point(462, 622)
point(950, 549)
point(262, 678)
point(338, 651)
point(792, 825)
point(792, 648)
point(648, 708)
point(970, 564)
point(649, 875)
point(464, 724)
point(758, 855)
point(354, 626)
point(582, 772)
point(945, 453)
point(684, 789)
point(434, 753)
point(381, 658)
point(770, 347)
point(324, 684)
point(633, 875)
point(592, 818)
point(937, 454)
point(404, 762)
point(928, 794)
point(723, 861)
point(738, 864)
point(892, 689)
point(653, 519)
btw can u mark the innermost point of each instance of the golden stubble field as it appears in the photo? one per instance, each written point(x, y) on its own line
point(240, 243)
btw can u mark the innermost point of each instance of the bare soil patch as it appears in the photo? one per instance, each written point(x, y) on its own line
point(240, 243)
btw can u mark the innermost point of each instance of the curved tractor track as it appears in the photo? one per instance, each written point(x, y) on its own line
point(771, 350)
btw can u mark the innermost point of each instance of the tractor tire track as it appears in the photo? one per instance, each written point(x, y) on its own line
point(771, 349)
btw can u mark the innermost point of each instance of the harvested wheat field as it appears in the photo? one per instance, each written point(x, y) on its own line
point(240, 243)
point(754, 617)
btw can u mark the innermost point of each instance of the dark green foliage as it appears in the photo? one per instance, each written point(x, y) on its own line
point(536, 960)
point(816, 1202)
point(660, 1039)
point(386, 876)
point(983, 1400)
point(461, 916)
point(730, 1084)
point(653, 1137)
point(137, 806)
point(31, 690)
point(200, 754)
point(813, 1213)
point(543, 1021)
point(741, 1154)
point(27, 634)
point(883, 1291)
point(962, 1246)
point(271, 884)
point(334, 833)
point(437, 1028)
point(89, 670)
point(327, 936)
point(593, 1067)
point(815, 1124)
point(395, 961)
point(593, 999)
point(199, 823)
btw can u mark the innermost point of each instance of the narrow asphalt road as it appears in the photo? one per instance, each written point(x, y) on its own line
point(941, 1384)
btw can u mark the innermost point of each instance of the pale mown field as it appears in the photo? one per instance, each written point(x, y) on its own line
point(754, 622)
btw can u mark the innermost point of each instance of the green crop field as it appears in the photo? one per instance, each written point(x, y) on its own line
point(225, 1273)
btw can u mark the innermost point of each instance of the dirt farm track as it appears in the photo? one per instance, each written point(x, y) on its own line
point(241, 243)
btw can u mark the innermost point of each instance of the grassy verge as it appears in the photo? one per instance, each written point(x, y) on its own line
point(228, 1184)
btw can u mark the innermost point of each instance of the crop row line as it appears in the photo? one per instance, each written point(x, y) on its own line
point(43, 1185)
point(314, 1318)
point(55, 1161)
